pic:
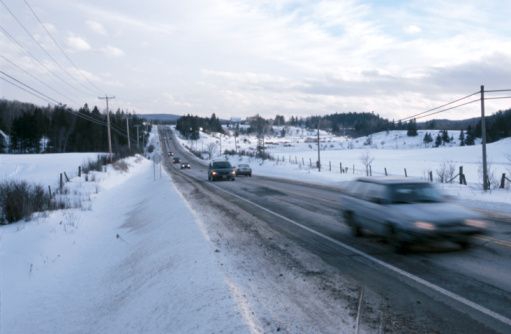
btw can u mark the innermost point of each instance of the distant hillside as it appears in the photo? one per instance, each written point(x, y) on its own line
point(449, 124)
point(166, 118)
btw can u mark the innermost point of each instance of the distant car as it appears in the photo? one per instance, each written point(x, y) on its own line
point(407, 212)
point(243, 169)
point(171, 154)
point(221, 170)
point(176, 160)
point(185, 165)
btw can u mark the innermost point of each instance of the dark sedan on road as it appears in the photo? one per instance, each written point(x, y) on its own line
point(407, 212)
point(185, 165)
point(221, 170)
point(176, 160)
point(244, 169)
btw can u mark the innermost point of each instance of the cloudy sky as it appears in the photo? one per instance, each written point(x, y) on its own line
point(239, 58)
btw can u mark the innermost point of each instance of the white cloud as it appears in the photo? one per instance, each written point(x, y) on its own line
point(112, 51)
point(78, 43)
point(412, 29)
point(96, 27)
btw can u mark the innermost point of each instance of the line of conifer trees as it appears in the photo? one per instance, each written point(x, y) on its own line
point(58, 129)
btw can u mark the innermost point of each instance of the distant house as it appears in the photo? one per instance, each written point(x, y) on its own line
point(4, 141)
point(234, 122)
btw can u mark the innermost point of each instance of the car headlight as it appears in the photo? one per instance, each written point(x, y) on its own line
point(213, 172)
point(233, 172)
point(425, 226)
point(476, 223)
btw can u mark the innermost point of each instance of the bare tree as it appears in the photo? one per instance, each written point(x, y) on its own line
point(366, 160)
point(211, 149)
point(445, 172)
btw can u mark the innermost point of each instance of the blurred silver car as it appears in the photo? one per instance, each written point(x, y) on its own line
point(405, 212)
point(243, 169)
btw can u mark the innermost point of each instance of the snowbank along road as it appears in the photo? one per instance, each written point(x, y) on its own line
point(441, 289)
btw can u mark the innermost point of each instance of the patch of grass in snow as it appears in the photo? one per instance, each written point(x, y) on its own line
point(19, 200)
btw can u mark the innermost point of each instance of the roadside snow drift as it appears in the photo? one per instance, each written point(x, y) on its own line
point(136, 262)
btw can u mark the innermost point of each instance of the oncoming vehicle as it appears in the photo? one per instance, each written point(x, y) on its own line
point(171, 154)
point(243, 169)
point(221, 170)
point(185, 165)
point(176, 160)
point(405, 212)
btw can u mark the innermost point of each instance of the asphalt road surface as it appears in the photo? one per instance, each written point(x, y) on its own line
point(449, 289)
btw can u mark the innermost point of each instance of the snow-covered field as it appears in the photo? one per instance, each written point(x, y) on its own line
point(43, 169)
point(393, 151)
point(133, 260)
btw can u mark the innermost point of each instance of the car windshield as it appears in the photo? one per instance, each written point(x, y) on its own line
point(414, 193)
point(221, 164)
point(243, 165)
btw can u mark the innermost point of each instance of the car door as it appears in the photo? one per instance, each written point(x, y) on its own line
point(375, 204)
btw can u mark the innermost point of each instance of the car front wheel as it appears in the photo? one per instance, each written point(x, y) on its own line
point(393, 239)
point(349, 218)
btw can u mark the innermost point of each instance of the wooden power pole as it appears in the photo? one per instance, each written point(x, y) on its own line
point(483, 142)
point(106, 97)
point(319, 157)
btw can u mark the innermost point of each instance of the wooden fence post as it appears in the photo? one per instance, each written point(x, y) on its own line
point(406, 174)
point(79, 171)
point(370, 171)
point(386, 174)
point(430, 176)
point(61, 182)
point(49, 191)
point(67, 178)
point(330, 165)
point(461, 174)
point(503, 181)
point(340, 166)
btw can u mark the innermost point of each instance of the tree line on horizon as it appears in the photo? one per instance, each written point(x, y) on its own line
point(58, 129)
point(353, 124)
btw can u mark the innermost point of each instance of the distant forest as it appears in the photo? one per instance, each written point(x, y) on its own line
point(58, 129)
point(352, 124)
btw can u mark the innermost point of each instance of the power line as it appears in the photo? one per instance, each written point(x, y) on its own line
point(24, 89)
point(6, 33)
point(60, 48)
point(433, 109)
point(497, 97)
point(497, 90)
point(33, 89)
point(447, 109)
point(37, 79)
point(39, 44)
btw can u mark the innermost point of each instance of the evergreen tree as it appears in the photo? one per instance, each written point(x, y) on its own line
point(445, 136)
point(438, 140)
point(462, 138)
point(427, 138)
point(411, 128)
point(470, 137)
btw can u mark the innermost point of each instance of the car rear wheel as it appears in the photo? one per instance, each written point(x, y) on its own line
point(464, 243)
point(349, 218)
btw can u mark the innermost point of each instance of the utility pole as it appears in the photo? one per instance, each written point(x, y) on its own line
point(106, 97)
point(138, 126)
point(319, 157)
point(483, 141)
point(128, 131)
